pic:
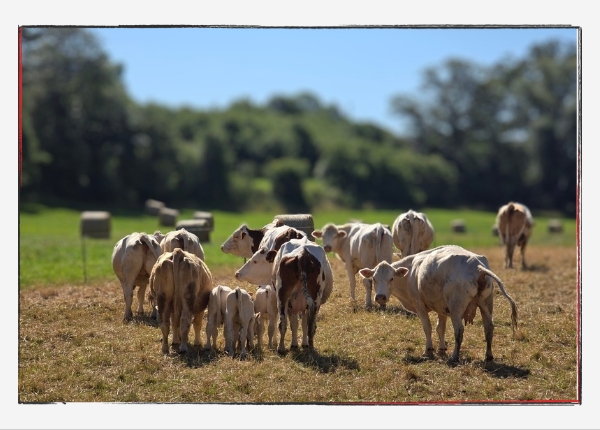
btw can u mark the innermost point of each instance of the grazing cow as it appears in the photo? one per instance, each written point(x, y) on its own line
point(239, 323)
point(448, 280)
point(215, 316)
point(514, 223)
point(359, 246)
point(181, 283)
point(132, 259)
point(265, 305)
point(182, 239)
point(303, 281)
point(412, 232)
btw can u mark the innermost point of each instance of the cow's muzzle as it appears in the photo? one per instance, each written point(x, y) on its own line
point(327, 248)
point(381, 299)
point(237, 275)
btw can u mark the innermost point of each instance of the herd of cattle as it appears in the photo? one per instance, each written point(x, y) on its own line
point(294, 278)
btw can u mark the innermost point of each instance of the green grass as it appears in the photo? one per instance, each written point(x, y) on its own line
point(52, 252)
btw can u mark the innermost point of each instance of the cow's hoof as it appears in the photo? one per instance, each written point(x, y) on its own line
point(294, 347)
point(442, 352)
point(489, 358)
point(280, 351)
point(428, 354)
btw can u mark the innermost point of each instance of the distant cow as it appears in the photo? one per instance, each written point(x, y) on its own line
point(244, 241)
point(239, 323)
point(182, 239)
point(303, 281)
point(359, 246)
point(412, 232)
point(181, 283)
point(133, 258)
point(514, 223)
point(448, 280)
point(215, 316)
point(265, 305)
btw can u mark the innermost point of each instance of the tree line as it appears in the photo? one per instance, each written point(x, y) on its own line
point(478, 137)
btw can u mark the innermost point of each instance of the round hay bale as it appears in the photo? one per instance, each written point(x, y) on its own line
point(302, 222)
point(95, 224)
point(458, 226)
point(555, 226)
point(153, 207)
point(199, 227)
point(167, 216)
point(208, 216)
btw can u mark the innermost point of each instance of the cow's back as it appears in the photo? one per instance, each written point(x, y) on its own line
point(370, 244)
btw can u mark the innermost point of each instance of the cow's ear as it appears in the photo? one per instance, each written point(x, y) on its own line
point(401, 271)
point(317, 233)
point(270, 257)
point(277, 222)
point(366, 273)
point(342, 233)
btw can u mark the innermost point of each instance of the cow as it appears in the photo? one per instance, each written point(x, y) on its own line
point(303, 281)
point(182, 239)
point(132, 259)
point(412, 232)
point(239, 322)
point(244, 242)
point(181, 283)
point(448, 280)
point(215, 315)
point(265, 305)
point(514, 224)
point(359, 246)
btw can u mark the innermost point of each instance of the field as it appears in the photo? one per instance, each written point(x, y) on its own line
point(74, 347)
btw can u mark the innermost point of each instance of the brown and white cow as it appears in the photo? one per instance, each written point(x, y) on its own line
point(514, 223)
point(182, 239)
point(359, 246)
point(215, 314)
point(132, 259)
point(239, 323)
point(181, 283)
point(448, 280)
point(412, 232)
point(303, 281)
point(244, 242)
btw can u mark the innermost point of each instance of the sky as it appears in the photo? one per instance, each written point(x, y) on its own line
point(359, 70)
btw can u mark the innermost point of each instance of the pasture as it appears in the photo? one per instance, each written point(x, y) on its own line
point(74, 347)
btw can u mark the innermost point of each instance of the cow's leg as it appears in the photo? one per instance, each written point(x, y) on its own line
point(128, 295)
point(351, 279)
point(294, 329)
point(272, 311)
point(229, 334)
point(523, 264)
point(510, 249)
point(424, 317)
point(440, 328)
point(165, 326)
point(305, 330)
point(283, 314)
point(185, 322)
point(459, 330)
point(197, 322)
point(211, 332)
point(176, 323)
point(487, 308)
point(141, 295)
point(311, 318)
point(243, 340)
point(368, 283)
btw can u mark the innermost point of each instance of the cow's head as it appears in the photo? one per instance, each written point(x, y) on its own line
point(257, 270)
point(331, 237)
point(240, 243)
point(383, 276)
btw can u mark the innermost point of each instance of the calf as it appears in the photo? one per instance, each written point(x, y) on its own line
point(514, 223)
point(303, 281)
point(181, 283)
point(359, 246)
point(215, 316)
point(239, 322)
point(182, 239)
point(448, 280)
point(412, 232)
point(265, 305)
point(132, 259)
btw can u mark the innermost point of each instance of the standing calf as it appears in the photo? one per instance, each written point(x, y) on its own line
point(239, 323)
point(514, 223)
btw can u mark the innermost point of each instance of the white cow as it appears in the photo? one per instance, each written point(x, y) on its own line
point(359, 246)
point(215, 315)
point(132, 259)
point(303, 281)
point(448, 280)
point(239, 322)
point(412, 233)
point(265, 305)
point(514, 223)
point(182, 239)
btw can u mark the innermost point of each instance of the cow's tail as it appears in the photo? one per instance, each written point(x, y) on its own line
point(415, 222)
point(513, 305)
point(177, 257)
point(303, 270)
point(379, 239)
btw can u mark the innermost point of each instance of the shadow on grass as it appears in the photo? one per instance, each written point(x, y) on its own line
point(390, 309)
point(503, 371)
point(320, 362)
point(145, 320)
point(541, 268)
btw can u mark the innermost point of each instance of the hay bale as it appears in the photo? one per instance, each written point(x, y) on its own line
point(555, 226)
point(95, 224)
point(167, 216)
point(208, 216)
point(153, 207)
point(458, 226)
point(199, 227)
point(302, 222)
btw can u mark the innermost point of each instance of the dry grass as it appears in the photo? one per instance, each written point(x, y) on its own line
point(73, 347)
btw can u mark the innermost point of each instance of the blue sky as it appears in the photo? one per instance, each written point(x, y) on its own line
point(358, 69)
